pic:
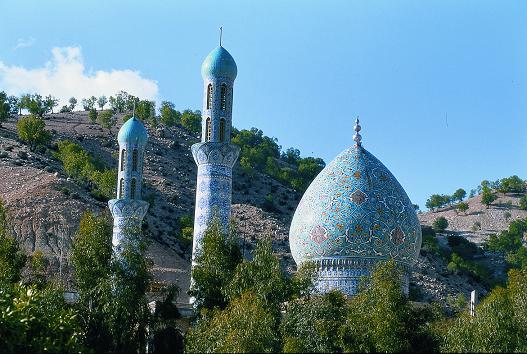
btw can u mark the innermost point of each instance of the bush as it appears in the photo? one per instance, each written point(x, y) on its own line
point(523, 202)
point(31, 130)
point(79, 165)
point(440, 224)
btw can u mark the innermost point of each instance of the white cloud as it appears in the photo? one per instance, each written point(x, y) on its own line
point(65, 76)
point(24, 42)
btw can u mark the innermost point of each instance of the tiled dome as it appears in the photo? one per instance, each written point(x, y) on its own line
point(353, 215)
point(219, 63)
point(132, 131)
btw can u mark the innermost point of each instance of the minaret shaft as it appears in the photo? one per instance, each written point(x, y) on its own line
point(215, 155)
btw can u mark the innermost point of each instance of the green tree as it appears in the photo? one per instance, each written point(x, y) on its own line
point(5, 107)
point(216, 262)
point(12, 258)
point(440, 224)
point(191, 120)
point(32, 130)
point(107, 120)
point(436, 201)
point(102, 101)
point(523, 202)
point(24, 102)
point(462, 207)
point(92, 115)
point(313, 325)
point(262, 276)
point(169, 115)
point(379, 317)
point(50, 102)
point(491, 330)
point(487, 196)
point(37, 105)
point(73, 102)
point(112, 290)
point(92, 251)
point(243, 327)
point(513, 184)
point(459, 195)
point(37, 321)
point(145, 110)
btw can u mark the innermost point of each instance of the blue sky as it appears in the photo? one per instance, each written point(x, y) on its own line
point(440, 86)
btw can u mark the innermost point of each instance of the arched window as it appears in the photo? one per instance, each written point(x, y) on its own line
point(123, 159)
point(134, 160)
point(223, 97)
point(222, 129)
point(209, 96)
point(121, 188)
point(132, 189)
point(208, 129)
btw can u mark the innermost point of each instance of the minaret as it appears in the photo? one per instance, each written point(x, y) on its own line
point(215, 155)
point(129, 209)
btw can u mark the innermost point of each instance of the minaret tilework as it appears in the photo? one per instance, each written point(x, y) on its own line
point(128, 209)
point(215, 155)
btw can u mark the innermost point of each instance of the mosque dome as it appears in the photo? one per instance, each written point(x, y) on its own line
point(219, 63)
point(132, 131)
point(355, 212)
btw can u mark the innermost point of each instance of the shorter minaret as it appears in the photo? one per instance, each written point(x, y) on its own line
point(128, 209)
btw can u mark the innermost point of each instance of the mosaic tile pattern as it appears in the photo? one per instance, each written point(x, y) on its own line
point(214, 186)
point(354, 211)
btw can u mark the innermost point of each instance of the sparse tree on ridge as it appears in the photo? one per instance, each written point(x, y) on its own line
point(73, 102)
point(37, 105)
point(107, 120)
point(51, 102)
point(459, 195)
point(487, 196)
point(24, 102)
point(102, 101)
point(5, 108)
point(168, 113)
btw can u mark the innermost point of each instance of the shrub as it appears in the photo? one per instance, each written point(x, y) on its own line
point(523, 202)
point(462, 207)
point(79, 165)
point(440, 224)
point(31, 130)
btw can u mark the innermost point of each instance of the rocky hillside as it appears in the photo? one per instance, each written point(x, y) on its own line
point(479, 222)
point(46, 205)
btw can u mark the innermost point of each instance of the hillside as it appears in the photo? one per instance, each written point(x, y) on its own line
point(479, 222)
point(46, 205)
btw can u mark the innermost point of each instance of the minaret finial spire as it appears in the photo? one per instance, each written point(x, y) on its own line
point(221, 34)
point(357, 137)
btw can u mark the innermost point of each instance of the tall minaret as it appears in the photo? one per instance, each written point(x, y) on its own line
point(215, 155)
point(129, 209)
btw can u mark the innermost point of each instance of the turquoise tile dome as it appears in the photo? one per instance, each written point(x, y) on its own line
point(355, 211)
point(219, 63)
point(132, 131)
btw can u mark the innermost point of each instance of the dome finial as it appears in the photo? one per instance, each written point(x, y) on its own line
point(357, 137)
point(221, 33)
